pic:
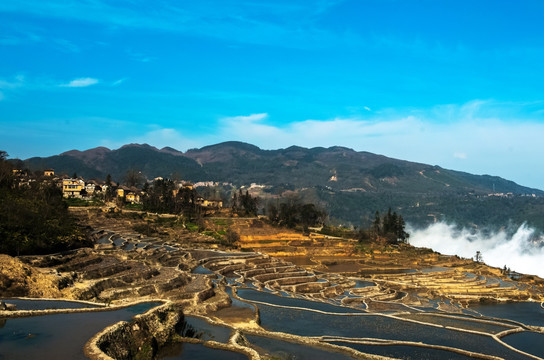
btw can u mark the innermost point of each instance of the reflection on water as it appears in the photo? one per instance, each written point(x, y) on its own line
point(279, 349)
point(529, 313)
point(201, 329)
point(254, 295)
point(530, 342)
point(28, 304)
point(58, 336)
point(459, 322)
point(405, 352)
point(362, 284)
point(186, 351)
point(119, 242)
point(201, 270)
point(307, 323)
point(236, 302)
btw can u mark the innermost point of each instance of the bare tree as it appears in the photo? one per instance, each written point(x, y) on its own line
point(133, 178)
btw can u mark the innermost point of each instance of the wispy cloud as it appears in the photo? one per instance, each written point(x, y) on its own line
point(459, 155)
point(119, 82)
point(263, 22)
point(81, 82)
point(17, 82)
point(139, 56)
point(6, 86)
point(245, 119)
point(66, 46)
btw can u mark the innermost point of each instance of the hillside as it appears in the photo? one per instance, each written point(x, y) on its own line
point(351, 185)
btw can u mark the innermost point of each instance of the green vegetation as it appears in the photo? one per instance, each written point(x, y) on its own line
point(390, 227)
point(222, 222)
point(34, 219)
point(231, 237)
point(293, 213)
point(138, 207)
point(244, 204)
point(337, 231)
point(192, 227)
point(162, 197)
point(82, 202)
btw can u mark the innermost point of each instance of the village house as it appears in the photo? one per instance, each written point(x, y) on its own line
point(133, 197)
point(72, 188)
point(187, 185)
point(122, 191)
point(49, 172)
point(129, 195)
point(212, 203)
point(92, 187)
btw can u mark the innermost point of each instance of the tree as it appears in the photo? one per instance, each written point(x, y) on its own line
point(390, 227)
point(293, 212)
point(310, 215)
point(6, 173)
point(231, 237)
point(244, 204)
point(160, 197)
point(234, 205)
point(376, 224)
point(108, 196)
point(272, 212)
point(478, 257)
point(133, 178)
point(400, 225)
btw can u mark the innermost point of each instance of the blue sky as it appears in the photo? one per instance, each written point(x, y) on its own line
point(452, 83)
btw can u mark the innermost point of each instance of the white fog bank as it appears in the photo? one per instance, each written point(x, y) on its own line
point(520, 252)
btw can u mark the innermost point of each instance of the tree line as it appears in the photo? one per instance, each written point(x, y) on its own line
point(293, 213)
point(34, 219)
point(390, 227)
point(163, 196)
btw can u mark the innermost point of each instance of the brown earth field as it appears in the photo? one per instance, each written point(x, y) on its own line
point(192, 269)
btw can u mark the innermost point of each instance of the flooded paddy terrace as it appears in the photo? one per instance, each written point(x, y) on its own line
point(239, 305)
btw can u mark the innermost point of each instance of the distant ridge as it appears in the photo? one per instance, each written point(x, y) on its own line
point(350, 184)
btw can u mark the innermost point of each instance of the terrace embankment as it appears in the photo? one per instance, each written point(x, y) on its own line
point(401, 268)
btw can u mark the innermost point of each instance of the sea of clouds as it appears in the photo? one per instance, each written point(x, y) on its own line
point(521, 249)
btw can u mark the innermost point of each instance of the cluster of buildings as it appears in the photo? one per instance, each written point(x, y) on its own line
point(87, 189)
point(81, 189)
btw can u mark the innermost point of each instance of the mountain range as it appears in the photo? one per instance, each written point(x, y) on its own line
point(351, 185)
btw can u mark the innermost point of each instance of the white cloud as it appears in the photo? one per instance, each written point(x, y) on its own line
point(246, 118)
point(367, 108)
point(81, 82)
point(118, 82)
point(459, 155)
point(18, 82)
